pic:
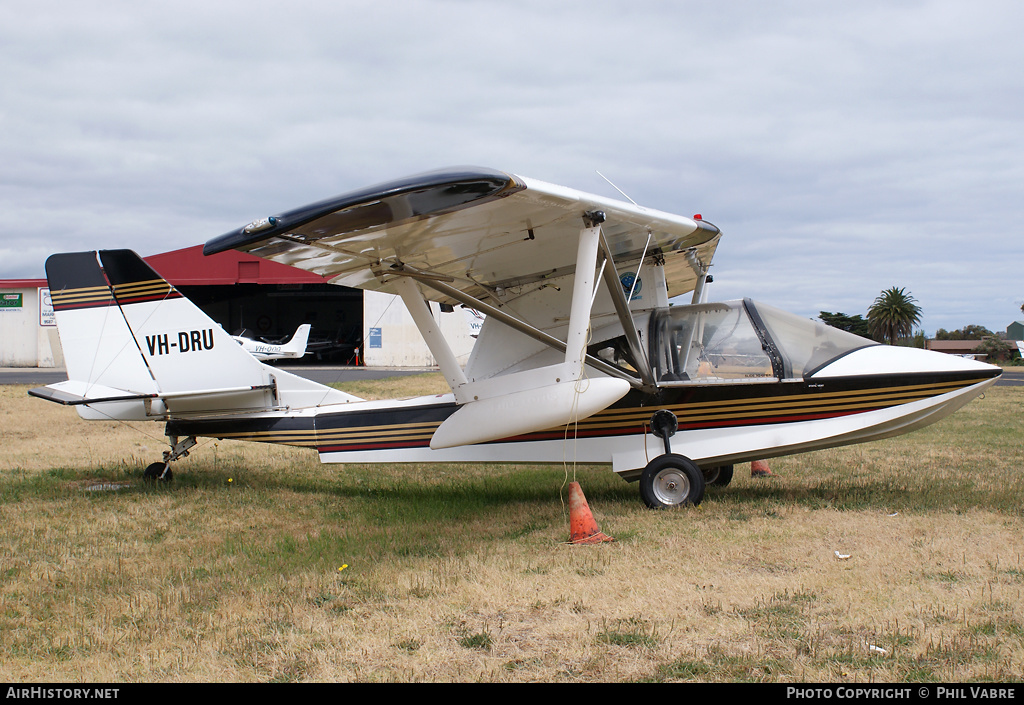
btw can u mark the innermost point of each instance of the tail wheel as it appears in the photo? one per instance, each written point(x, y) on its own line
point(671, 480)
point(158, 472)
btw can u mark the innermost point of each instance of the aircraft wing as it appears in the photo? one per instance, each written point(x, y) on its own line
point(476, 229)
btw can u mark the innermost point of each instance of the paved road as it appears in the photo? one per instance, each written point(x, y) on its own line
point(1011, 377)
point(322, 374)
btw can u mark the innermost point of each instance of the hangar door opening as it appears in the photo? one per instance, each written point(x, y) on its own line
point(272, 312)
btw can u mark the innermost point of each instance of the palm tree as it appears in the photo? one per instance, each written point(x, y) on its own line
point(893, 315)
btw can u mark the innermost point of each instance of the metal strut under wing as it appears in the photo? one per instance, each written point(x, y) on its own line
point(529, 400)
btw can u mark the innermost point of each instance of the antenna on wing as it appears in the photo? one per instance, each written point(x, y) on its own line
point(618, 189)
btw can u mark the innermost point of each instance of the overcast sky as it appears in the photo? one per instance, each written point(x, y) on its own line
point(841, 148)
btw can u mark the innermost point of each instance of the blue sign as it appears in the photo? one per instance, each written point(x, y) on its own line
point(375, 338)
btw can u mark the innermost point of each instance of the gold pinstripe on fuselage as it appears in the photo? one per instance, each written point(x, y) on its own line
point(780, 408)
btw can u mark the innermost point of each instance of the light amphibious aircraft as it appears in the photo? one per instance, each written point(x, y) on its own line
point(580, 356)
point(262, 350)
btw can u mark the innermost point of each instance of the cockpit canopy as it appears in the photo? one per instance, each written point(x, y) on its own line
point(741, 341)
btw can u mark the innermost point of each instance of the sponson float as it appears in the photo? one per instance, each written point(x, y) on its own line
point(579, 344)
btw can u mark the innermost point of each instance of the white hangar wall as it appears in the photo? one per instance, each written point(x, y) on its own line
point(28, 336)
point(391, 339)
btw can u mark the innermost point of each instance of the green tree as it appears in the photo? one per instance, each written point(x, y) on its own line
point(917, 340)
point(971, 332)
point(893, 315)
point(851, 324)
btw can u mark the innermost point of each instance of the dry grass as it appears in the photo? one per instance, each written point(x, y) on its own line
point(452, 573)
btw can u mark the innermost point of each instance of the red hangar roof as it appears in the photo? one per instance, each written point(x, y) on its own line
point(188, 267)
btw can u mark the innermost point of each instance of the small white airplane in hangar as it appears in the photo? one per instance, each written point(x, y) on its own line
point(265, 352)
point(579, 343)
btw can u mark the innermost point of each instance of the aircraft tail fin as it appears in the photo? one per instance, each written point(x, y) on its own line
point(100, 351)
point(131, 339)
point(296, 347)
point(183, 348)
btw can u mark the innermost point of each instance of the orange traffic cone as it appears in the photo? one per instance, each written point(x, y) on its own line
point(759, 468)
point(582, 527)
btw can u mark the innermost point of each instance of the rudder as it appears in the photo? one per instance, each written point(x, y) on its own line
point(99, 349)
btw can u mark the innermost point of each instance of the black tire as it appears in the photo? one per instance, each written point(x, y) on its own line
point(671, 480)
point(720, 476)
point(154, 472)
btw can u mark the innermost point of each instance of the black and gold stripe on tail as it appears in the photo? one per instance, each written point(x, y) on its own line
point(76, 281)
point(133, 280)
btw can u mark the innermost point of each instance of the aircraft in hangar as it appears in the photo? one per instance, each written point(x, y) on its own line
point(578, 344)
point(265, 351)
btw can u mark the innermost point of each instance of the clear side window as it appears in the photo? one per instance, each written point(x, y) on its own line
point(708, 343)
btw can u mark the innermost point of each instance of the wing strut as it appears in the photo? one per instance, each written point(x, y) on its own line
point(696, 332)
point(610, 276)
point(531, 400)
point(431, 332)
point(514, 323)
point(698, 289)
point(611, 279)
point(583, 291)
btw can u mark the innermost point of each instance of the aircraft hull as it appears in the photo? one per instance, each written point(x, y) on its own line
point(718, 423)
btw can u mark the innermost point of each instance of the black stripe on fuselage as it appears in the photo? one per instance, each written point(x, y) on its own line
point(696, 407)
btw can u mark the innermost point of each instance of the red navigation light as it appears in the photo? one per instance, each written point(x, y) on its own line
point(697, 217)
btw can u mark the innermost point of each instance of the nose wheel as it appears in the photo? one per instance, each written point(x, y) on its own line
point(670, 480)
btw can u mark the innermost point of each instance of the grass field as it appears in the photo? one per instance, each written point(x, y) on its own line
point(259, 564)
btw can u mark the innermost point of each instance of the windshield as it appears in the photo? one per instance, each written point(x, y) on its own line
point(806, 344)
point(737, 341)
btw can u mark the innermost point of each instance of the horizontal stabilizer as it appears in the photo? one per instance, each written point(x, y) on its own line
point(527, 411)
point(60, 394)
point(72, 393)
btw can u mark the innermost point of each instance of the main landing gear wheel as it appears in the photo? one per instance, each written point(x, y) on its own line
point(671, 480)
point(719, 477)
point(158, 472)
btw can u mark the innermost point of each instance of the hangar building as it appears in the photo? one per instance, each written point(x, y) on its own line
point(266, 299)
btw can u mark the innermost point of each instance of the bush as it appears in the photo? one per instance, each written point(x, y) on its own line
point(996, 349)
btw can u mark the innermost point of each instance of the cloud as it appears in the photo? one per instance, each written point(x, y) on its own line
point(842, 150)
